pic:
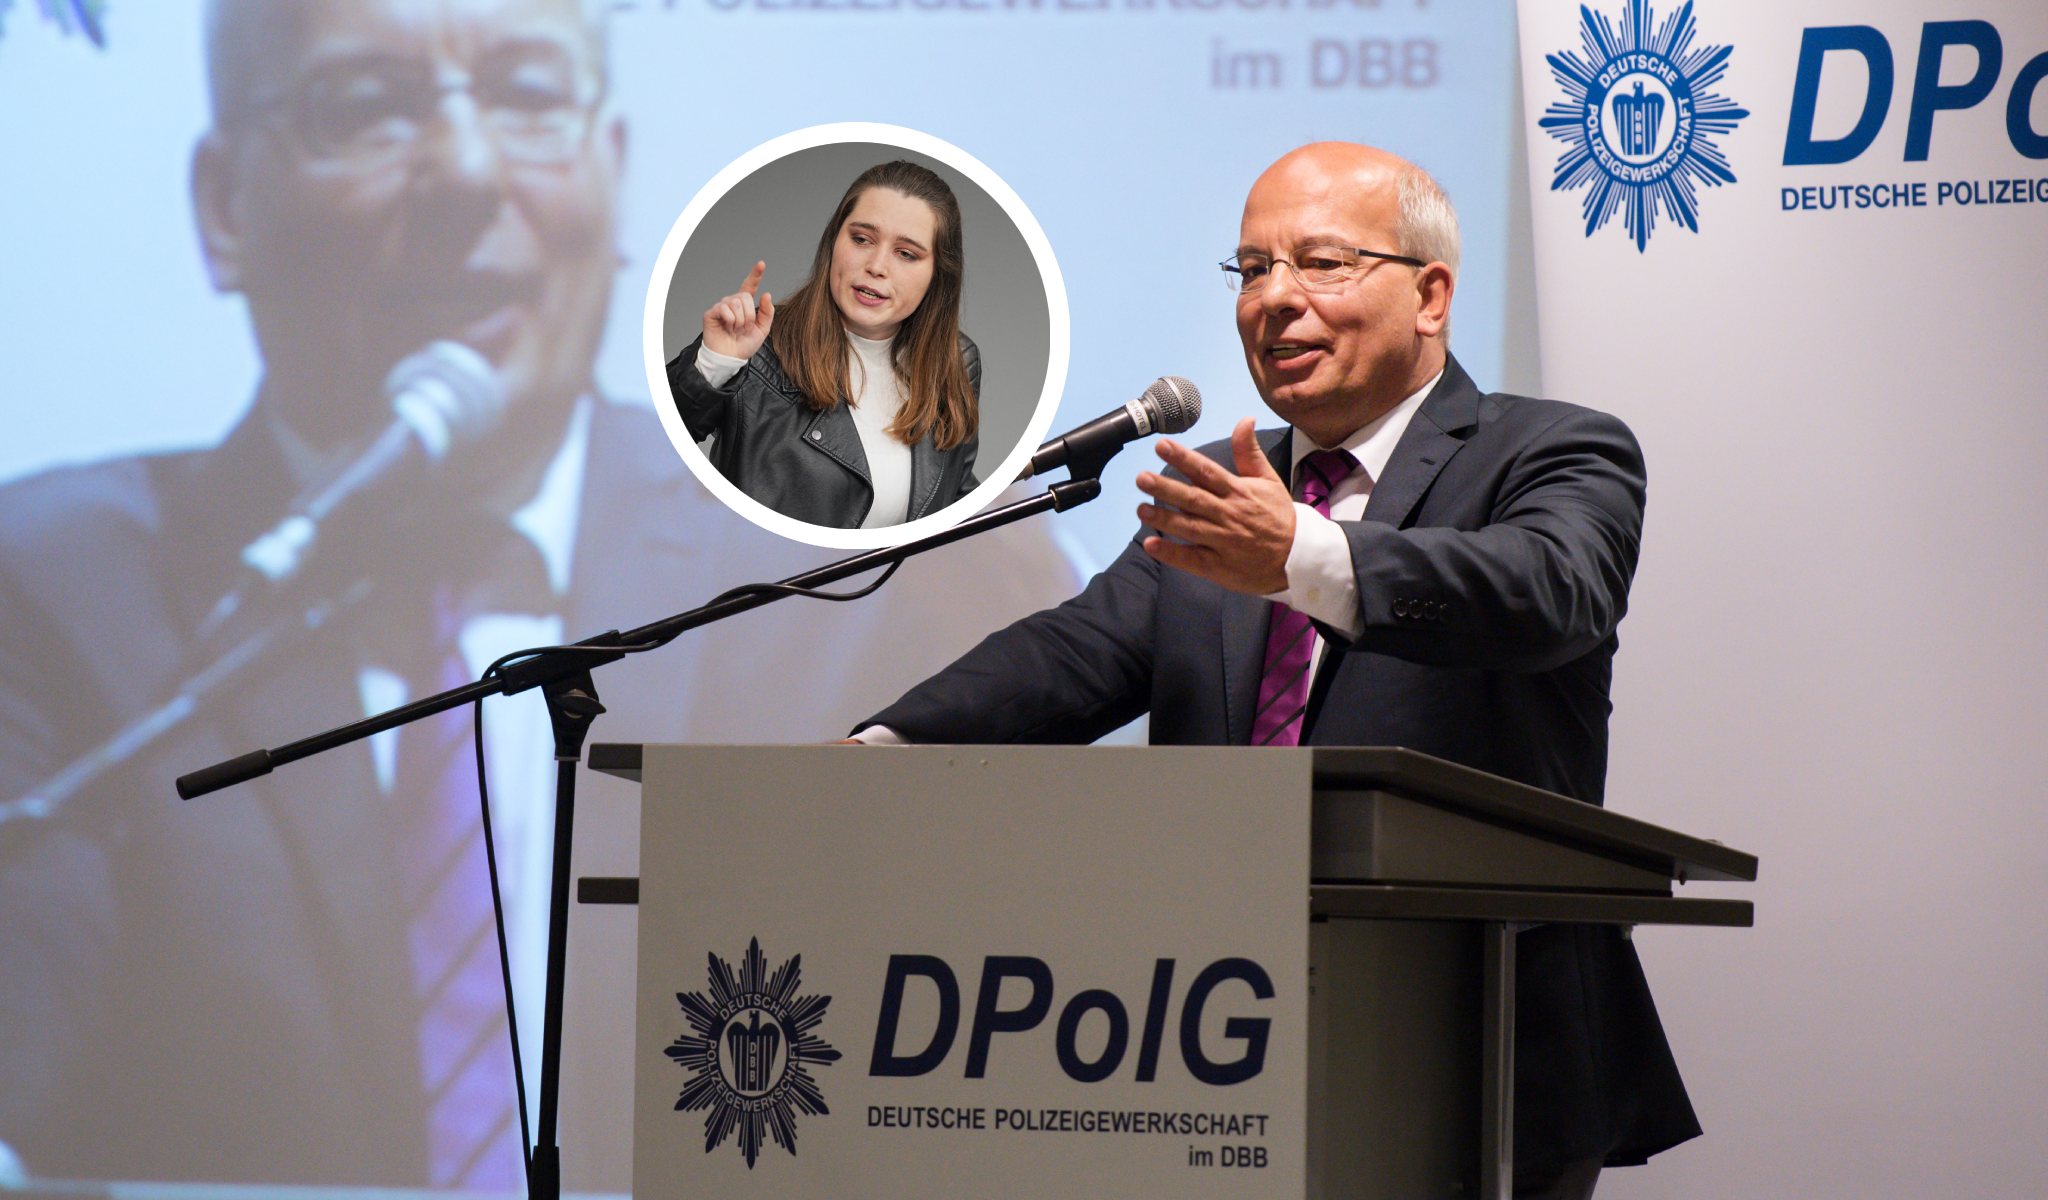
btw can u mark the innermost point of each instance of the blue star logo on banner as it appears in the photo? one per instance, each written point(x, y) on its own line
point(752, 1043)
point(1638, 120)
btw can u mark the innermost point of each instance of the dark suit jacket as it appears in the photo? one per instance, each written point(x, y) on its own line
point(1493, 565)
point(219, 990)
point(802, 462)
point(216, 990)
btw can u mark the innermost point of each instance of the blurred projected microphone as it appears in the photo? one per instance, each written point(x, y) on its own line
point(1170, 405)
point(444, 399)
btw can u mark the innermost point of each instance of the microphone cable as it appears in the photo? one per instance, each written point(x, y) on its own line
point(496, 670)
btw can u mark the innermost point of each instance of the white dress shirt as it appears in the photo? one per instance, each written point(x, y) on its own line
point(1322, 584)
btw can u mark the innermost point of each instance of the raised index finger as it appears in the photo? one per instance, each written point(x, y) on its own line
point(754, 278)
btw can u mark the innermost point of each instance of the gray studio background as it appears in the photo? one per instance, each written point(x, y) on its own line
point(775, 216)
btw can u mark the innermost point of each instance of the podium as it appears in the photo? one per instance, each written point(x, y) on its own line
point(1115, 971)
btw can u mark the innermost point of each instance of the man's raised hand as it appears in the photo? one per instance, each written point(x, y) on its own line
point(1231, 529)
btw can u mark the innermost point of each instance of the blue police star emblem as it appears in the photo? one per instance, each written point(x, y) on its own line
point(752, 1043)
point(1638, 120)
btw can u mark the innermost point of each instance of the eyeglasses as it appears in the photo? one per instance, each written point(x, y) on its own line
point(1317, 268)
point(536, 105)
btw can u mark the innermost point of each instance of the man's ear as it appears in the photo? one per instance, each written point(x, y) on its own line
point(615, 142)
point(1433, 287)
point(215, 212)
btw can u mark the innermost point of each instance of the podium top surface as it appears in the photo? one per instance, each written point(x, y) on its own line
point(1504, 801)
point(1434, 781)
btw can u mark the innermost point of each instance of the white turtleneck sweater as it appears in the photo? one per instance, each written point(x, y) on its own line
point(877, 396)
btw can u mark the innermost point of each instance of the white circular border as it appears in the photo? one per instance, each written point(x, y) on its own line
point(992, 483)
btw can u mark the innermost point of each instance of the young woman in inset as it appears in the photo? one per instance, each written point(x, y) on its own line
point(854, 402)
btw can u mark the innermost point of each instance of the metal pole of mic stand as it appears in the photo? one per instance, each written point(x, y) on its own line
point(572, 706)
point(565, 680)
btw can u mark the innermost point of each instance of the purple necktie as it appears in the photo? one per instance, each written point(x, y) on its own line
point(464, 1054)
point(1290, 637)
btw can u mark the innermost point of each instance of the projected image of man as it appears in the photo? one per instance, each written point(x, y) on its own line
point(295, 980)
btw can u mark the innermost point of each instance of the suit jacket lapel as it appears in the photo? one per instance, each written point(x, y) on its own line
point(322, 810)
point(214, 503)
point(327, 809)
point(1429, 442)
point(1244, 621)
point(1431, 439)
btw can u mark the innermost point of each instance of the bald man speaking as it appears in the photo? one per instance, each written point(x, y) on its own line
point(1407, 562)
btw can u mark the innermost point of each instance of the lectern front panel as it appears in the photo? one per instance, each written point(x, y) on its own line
point(943, 972)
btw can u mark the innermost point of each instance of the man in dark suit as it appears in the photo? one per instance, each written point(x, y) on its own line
point(1446, 574)
point(227, 990)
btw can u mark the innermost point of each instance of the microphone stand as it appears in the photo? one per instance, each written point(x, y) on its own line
point(564, 676)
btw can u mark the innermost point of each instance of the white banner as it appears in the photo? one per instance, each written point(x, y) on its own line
point(1802, 200)
point(1802, 248)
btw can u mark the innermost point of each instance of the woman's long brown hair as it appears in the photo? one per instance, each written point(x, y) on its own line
point(809, 336)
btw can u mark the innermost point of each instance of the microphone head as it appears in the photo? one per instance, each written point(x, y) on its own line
point(1176, 404)
point(448, 394)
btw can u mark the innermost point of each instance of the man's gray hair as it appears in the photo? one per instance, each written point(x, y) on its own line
point(238, 34)
point(1425, 224)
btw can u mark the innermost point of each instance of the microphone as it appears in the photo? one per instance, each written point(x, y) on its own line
point(1172, 404)
point(445, 398)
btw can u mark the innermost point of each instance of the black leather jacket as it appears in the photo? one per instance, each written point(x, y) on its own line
point(800, 462)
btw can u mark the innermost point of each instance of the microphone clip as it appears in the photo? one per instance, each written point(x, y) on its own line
point(1071, 492)
point(1086, 457)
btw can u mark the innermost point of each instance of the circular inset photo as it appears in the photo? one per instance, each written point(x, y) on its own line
point(856, 335)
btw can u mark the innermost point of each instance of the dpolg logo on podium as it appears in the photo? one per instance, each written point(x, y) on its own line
point(752, 1043)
